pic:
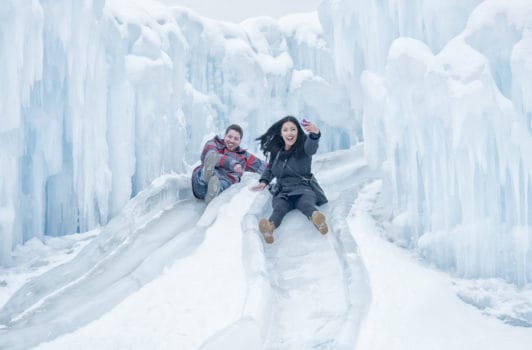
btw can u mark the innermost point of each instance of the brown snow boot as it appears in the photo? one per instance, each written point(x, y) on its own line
point(318, 219)
point(266, 227)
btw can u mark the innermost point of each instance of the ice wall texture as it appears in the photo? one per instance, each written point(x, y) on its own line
point(447, 116)
point(98, 98)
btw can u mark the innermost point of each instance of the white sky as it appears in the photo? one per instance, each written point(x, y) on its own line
point(238, 10)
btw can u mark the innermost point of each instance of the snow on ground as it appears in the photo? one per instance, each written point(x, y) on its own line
point(414, 306)
point(190, 277)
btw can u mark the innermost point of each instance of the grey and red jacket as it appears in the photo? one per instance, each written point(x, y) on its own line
point(228, 159)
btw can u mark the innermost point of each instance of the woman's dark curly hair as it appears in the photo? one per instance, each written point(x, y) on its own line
point(271, 142)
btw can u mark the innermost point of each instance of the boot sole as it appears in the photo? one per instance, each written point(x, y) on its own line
point(213, 189)
point(318, 219)
point(208, 167)
point(265, 227)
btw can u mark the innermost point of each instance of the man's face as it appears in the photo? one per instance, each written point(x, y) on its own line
point(232, 139)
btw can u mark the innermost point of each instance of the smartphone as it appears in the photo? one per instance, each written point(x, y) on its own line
point(304, 122)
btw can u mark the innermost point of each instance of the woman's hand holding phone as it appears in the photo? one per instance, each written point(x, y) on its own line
point(309, 127)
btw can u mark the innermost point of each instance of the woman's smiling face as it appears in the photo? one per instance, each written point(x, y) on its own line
point(289, 134)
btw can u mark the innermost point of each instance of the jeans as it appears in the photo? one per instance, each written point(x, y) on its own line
point(199, 187)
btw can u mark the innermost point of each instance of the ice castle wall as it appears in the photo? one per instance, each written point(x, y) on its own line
point(98, 98)
point(443, 91)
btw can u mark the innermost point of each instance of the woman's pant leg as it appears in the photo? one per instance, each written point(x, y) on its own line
point(307, 204)
point(280, 206)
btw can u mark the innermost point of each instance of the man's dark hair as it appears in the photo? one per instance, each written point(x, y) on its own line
point(236, 128)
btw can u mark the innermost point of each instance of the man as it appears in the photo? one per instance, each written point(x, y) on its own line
point(223, 163)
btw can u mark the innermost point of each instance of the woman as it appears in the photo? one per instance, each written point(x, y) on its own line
point(290, 153)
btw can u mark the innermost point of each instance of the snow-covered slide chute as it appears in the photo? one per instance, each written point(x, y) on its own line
point(116, 263)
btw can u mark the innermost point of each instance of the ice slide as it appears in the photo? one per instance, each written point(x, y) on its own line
point(204, 274)
point(131, 250)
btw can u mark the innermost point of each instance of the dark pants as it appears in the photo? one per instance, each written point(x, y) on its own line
point(305, 202)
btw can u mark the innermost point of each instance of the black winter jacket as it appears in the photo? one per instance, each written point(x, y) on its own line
point(289, 172)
